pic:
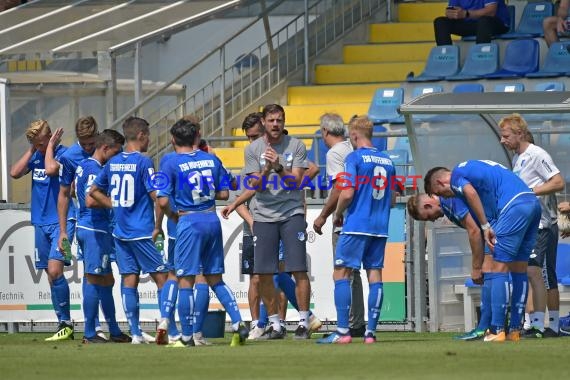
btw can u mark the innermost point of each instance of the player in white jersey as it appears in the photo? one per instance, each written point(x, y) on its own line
point(333, 132)
point(537, 169)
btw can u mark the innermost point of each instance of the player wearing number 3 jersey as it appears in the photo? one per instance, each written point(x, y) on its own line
point(365, 229)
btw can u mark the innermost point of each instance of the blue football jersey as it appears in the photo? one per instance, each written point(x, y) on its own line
point(127, 179)
point(192, 180)
point(68, 164)
point(369, 211)
point(89, 218)
point(45, 190)
point(170, 224)
point(455, 210)
point(496, 185)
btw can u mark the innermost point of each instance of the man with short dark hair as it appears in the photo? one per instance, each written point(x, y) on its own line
point(195, 179)
point(502, 202)
point(96, 241)
point(480, 18)
point(126, 185)
point(276, 164)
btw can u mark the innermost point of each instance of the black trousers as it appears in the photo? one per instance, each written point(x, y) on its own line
point(483, 28)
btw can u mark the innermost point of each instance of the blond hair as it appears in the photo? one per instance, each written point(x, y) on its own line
point(37, 128)
point(413, 206)
point(362, 125)
point(86, 127)
point(516, 123)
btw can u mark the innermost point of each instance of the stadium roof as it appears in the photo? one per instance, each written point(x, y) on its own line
point(51, 27)
point(489, 102)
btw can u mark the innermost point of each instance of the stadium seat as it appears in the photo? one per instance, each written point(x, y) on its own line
point(422, 90)
point(563, 262)
point(481, 60)
point(379, 142)
point(550, 86)
point(384, 106)
point(509, 87)
point(512, 20)
point(468, 87)
point(557, 62)
point(443, 61)
point(530, 24)
point(319, 159)
point(521, 58)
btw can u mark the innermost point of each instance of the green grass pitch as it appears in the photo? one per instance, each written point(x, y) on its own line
point(397, 355)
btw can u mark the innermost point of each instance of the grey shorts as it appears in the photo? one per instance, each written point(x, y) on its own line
point(247, 255)
point(266, 245)
point(544, 255)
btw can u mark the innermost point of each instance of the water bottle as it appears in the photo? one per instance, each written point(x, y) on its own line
point(159, 244)
point(66, 249)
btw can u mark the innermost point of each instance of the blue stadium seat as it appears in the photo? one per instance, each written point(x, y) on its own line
point(384, 106)
point(512, 20)
point(563, 262)
point(319, 159)
point(557, 62)
point(422, 90)
point(482, 59)
point(509, 87)
point(550, 86)
point(521, 58)
point(443, 61)
point(379, 142)
point(468, 87)
point(530, 24)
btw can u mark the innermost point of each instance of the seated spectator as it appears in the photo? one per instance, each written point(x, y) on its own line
point(556, 24)
point(480, 18)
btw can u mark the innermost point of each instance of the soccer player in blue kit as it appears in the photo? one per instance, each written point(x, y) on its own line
point(367, 197)
point(42, 160)
point(86, 131)
point(509, 214)
point(125, 183)
point(195, 179)
point(425, 207)
point(96, 242)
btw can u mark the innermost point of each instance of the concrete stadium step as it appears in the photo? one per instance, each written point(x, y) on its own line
point(420, 12)
point(231, 157)
point(388, 52)
point(401, 32)
point(334, 94)
point(308, 115)
point(366, 72)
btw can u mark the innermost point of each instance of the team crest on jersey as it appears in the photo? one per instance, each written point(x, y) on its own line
point(458, 189)
point(180, 272)
point(301, 236)
point(262, 159)
point(288, 156)
point(79, 171)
